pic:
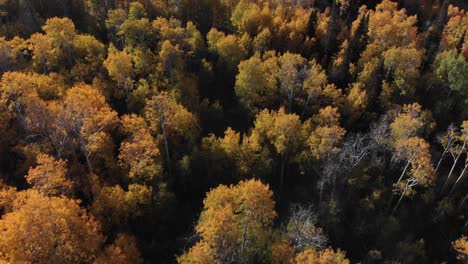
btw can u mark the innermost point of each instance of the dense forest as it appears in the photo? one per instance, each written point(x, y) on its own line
point(233, 131)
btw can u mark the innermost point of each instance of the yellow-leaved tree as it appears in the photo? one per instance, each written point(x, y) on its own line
point(234, 225)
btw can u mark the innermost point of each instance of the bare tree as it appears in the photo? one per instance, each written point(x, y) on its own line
point(355, 148)
point(379, 134)
point(446, 140)
point(302, 230)
point(462, 174)
point(411, 182)
point(456, 151)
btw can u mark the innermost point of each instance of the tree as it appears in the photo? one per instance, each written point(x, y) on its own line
point(229, 48)
point(119, 64)
point(245, 17)
point(43, 229)
point(171, 121)
point(139, 153)
point(200, 253)
point(256, 83)
point(315, 85)
point(283, 132)
point(415, 151)
point(114, 206)
point(311, 256)
point(25, 109)
point(461, 246)
point(408, 123)
point(42, 58)
point(446, 140)
point(188, 38)
point(50, 176)
point(60, 33)
point(455, 28)
point(292, 72)
point(302, 231)
point(389, 27)
point(356, 101)
point(457, 149)
point(450, 69)
point(137, 33)
point(404, 65)
point(88, 55)
point(234, 224)
point(327, 133)
point(281, 253)
point(86, 117)
point(123, 250)
point(136, 11)
point(241, 155)
point(171, 63)
point(114, 21)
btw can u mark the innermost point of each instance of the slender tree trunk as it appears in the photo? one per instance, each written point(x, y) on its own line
point(404, 170)
point(444, 187)
point(463, 202)
point(388, 73)
point(440, 161)
point(399, 200)
point(459, 177)
point(88, 162)
point(86, 153)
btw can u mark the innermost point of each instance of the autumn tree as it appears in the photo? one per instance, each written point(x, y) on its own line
point(119, 64)
point(450, 69)
point(288, 79)
point(170, 121)
point(114, 21)
point(171, 63)
point(356, 100)
point(136, 30)
point(455, 28)
point(230, 48)
point(292, 69)
point(325, 256)
point(256, 83)
point(461, 246)
point(60, 33)
point(25, 107)
point(326, 133)
point(281, 131)
point(240, 155)
point(123, 250)
point(390, 27)
point(412, 149)
point(86, 117)
point(234, 224)
point(43, 229)
point(50, 176)
point(88, 54)
point(403, 65)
